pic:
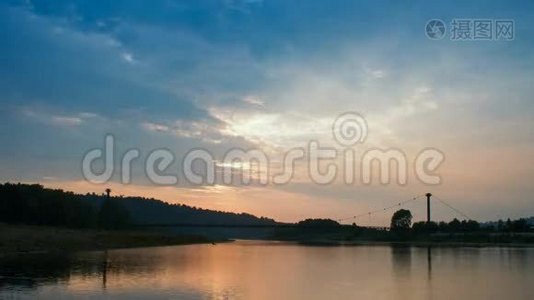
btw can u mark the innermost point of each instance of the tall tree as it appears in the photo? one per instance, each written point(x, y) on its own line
point(401, 220)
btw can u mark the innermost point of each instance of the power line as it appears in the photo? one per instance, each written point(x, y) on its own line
point(369, 213)
point(453, 208)
point(379, 210)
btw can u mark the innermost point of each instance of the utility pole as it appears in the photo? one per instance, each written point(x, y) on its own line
point(428, 195)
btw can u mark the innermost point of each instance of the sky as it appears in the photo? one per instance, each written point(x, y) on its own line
point(272, 76)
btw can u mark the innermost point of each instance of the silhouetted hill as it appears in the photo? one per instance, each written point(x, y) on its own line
point(35, 205)
point(153, 211)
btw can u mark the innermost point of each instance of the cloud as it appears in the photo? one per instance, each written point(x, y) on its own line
point(155, 127)
point(253, 100)
point(66, 121)
point(128, 57)
point(376, 73)
point(88, 115)
point(107, 80)
point(203, 131)
point(45, 115)
point(269, 129)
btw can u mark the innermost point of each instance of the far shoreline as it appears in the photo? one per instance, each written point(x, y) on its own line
point(416, 244)
point(31, 239)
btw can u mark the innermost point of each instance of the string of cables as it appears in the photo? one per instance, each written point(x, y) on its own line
point(369, 213)
point(453, 208)
point(380, 210)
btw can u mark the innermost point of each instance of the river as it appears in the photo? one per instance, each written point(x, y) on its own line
point(272, 270)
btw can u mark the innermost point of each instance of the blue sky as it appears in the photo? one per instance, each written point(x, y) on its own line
point(269, 74)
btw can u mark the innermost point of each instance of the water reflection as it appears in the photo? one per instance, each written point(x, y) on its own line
point(402, 259)
point(429, 261)
point(258, 270)
point(29, 271)
point(401, 256)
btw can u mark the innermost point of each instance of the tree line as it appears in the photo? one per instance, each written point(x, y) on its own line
point(32, 204)
point(402, 221)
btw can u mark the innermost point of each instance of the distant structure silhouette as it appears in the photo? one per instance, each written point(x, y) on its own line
point(112, 214)
point(428, 195)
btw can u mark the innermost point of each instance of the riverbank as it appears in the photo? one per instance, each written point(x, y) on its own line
point(16, 239)
point(422, 244)
point(429, 240)
point(347, 236)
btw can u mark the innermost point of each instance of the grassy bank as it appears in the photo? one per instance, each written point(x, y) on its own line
point(28, 239)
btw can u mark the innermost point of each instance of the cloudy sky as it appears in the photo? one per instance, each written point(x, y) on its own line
point(271, 75)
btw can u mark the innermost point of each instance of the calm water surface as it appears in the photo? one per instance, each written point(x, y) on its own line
point(265, 270)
